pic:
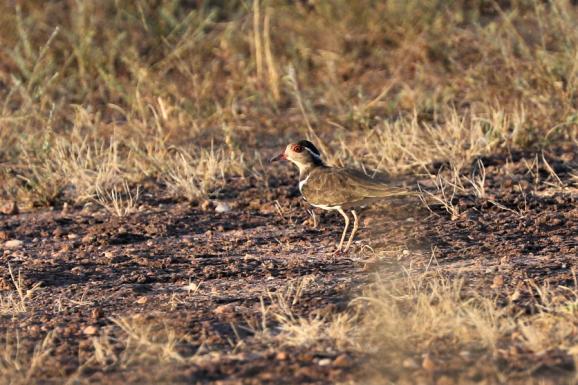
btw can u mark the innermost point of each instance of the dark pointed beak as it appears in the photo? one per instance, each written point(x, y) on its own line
point(281, 156)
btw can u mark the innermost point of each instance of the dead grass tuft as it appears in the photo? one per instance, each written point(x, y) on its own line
point(144, 341)
point(194, 173)
point(19, 365)
point(118, 203)
point(136, 342)
point(16, 301)
point(434, 316)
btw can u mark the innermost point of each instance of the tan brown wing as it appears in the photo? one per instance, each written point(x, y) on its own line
point(372, 187)
point(339, 186)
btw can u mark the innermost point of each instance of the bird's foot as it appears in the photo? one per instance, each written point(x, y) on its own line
point(340, 252)
point(335, 255)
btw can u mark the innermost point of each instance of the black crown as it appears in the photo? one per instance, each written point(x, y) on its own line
point(309, 145)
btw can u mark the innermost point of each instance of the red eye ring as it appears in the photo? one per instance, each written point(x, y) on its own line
point(297, 148)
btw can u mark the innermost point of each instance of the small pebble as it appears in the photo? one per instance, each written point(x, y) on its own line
point(410, 363)
point(206, 205)
point(498, 282)
point(13, 244)
point(223, 207)
point(307, 357)
point(88, 239)
point(445, 380)
point(282, 356)
point(226, 308)
point(90, 330)
point(428, 364)
point(324, 362)
point(342, 360)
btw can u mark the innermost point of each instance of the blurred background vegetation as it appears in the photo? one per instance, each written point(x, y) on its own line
point(101, 93)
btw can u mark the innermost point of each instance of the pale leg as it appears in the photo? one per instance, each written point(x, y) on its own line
point(355, 227)
point(345, 229)
point(314, 216)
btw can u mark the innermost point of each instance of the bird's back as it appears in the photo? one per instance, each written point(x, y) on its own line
point(332, 186)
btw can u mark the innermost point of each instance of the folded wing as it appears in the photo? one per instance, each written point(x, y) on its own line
point(345, 187)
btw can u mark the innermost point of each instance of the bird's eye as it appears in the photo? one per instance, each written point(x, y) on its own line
point(297, 148)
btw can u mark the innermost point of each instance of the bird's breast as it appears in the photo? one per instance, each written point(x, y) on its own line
point(313, 194)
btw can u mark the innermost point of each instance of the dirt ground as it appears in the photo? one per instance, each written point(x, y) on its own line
point(209, 274)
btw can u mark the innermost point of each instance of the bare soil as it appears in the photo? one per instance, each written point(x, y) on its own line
point(94, 267)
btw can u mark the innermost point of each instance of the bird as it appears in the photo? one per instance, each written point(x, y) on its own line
point(338, 189)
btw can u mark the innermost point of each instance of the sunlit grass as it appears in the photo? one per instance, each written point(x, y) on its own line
point(402, 84)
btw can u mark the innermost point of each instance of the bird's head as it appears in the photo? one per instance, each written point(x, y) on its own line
point(303, 153)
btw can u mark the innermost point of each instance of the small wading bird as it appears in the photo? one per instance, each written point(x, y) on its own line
point(335, 188)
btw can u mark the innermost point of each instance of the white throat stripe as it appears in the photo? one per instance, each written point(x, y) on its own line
point(302, 183)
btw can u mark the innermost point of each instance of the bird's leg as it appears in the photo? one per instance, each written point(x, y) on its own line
point(355, 227)
point(314, 217)
point(344, 230)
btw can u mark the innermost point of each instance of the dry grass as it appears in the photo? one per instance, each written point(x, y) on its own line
point(193, 174)
point(408, 144)
point(133, 342)
point(282, 324)
point(427, 315)
point(118, 203)
point(80, 170)
point(19, 365)
point(97, 95)
point(16, 301)
point(429, 320)
point(421, 319)
point(142, 341)
point(426, 308)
